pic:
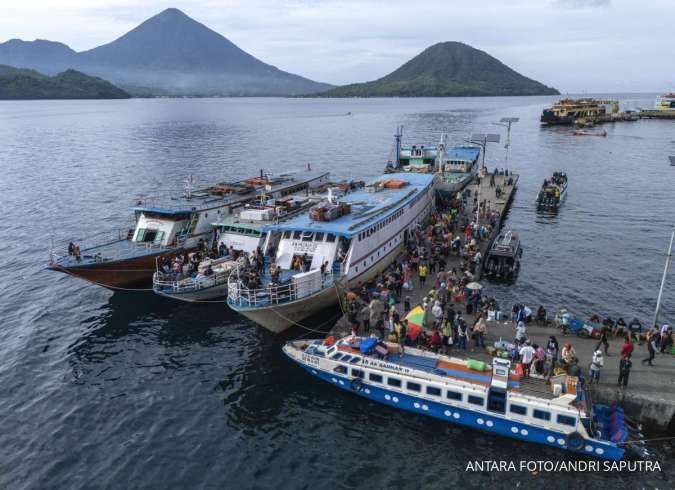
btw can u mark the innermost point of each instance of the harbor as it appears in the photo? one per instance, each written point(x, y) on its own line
point(143, 371)
point(649, 401)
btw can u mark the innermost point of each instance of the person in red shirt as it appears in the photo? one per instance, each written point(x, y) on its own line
point(627, 348)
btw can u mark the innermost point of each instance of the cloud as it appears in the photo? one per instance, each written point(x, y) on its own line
point(573, 45)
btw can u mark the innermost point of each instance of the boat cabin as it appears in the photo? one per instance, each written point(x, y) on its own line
point(503, 258)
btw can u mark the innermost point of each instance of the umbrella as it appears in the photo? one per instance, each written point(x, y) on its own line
point(474, 286)
point(415, 322)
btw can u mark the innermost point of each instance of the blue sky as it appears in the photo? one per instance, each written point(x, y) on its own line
point(574, 45)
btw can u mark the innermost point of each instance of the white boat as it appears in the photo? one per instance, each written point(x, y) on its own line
point(490, 398)
point(343, 241)
point(238, 234)
point(665, 102)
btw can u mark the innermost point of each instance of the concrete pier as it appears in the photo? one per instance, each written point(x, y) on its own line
point(649, 398)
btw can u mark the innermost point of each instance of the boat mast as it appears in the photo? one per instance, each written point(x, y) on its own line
point(398, 136)
point(663, 278)
point(440, 154)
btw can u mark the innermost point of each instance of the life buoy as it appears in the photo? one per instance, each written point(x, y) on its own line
point(356, 384)
point(575, 441)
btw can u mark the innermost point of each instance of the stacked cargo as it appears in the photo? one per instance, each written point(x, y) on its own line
point(326, 211)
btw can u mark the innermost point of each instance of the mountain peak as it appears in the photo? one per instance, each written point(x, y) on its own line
point(170, 53)
point(447, 69)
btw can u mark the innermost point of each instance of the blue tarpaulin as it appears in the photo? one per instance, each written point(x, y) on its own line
point(367, 345)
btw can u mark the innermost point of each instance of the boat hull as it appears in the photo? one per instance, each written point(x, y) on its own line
point(278, 318)
point(204, 294)
point(454, 414)
point(128, 274)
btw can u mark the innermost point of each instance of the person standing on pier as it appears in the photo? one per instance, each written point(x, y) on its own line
point(526, 357)
point(604, 332)
point(625, 366)
point(423, 271)
point(651, 348)
point(596, 364)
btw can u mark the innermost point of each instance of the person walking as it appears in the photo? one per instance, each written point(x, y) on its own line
point(604, 332)
point(461, 333)
point(423, 271)
point(479, 329)
point(651, 348)
point(596, 364)
point(625, 366)
point(526, 357)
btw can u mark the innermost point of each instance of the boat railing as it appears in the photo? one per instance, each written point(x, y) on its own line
point(239, 295)
point(176, 283)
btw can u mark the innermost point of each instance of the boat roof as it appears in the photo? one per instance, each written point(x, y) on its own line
point(201, 199)
point(367, 207)
point(464, 152)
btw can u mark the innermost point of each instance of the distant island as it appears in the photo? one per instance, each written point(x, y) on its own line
point(449, 69)
point(169, 54)
point(21, 83)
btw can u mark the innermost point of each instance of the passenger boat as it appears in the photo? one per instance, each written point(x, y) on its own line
point(665, 102)
point(553, 192)
point(238, 234)
point(490, 398)
point(503, 257)
point(569, 111)
point(167, 225)
point(456, 165)
point(342, 241)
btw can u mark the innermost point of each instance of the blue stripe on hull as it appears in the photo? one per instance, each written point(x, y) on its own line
point(469, 418)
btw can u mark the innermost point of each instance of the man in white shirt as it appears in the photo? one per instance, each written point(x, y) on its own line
point(520, 332)
point(526, 357)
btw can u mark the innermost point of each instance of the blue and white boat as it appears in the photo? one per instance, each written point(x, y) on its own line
point(489, 398)
point(456, 165)
point(342, 241)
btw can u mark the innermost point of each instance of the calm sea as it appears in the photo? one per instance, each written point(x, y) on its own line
point(115, 390)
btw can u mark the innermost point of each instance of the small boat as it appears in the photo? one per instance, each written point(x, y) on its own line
point(503, 257)
point(553, 192)
point(581, 132)
point(492, 398)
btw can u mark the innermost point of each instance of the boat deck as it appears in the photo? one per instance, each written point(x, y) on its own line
point(114, 250)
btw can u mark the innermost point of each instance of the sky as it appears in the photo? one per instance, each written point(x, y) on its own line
point(577, 46)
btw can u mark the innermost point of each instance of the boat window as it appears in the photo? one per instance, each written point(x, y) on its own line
point(337, 356)
point(331, 350)
point(330, 237)
point(139, 234)
point(340, 369)
point(394, 382)
point(567, 420)
point(307, 236)
point(296, 235)
point(475, 400)
point(518, 409)
point(375, 377)
point(357, 373)
point(454, 395)
point(318, 236)
point(541, 414)
point(346, 358)
point(432, 390)
point(355, 360)
point(413, 386)
point(287, 234)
